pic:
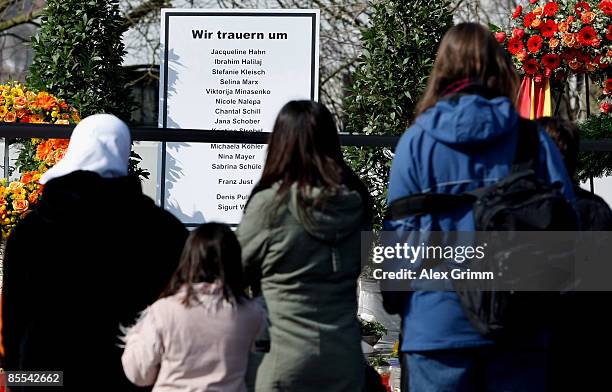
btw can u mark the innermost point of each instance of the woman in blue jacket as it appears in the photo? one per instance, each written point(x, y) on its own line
point(456, 145)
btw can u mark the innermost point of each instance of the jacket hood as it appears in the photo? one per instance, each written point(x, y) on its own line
point(85, 193)
point(469, 120)
point(328, 216)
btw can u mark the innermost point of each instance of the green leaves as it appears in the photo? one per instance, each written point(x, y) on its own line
point(399, 50)
point(594, 164)
point(78, 56)
point(79, 46)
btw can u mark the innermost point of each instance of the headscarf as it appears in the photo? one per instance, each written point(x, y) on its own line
point(100, 143)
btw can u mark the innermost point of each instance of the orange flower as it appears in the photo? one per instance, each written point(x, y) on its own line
point(60, 143)
point(20, 102)
point(20, 206)
point(553, 43)
point(563, 27)
point(575, 65)
point(569, 39)
point(21, 113)
point(536, 23)
point(46, 101)
point(43, 150)
point(1, 100)
point(10, 117)
point(36, 118)
point(522, 55)
point(75, 116)
point(590, 66)
point(26, 178)
point(538, 11)
point(588, 17)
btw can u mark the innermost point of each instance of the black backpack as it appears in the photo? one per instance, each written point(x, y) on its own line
point(519, 202)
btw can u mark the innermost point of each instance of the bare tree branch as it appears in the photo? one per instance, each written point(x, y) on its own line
point(138, 13)
point(20, 19)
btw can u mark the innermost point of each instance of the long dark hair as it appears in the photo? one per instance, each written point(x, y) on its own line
point(469, 52)
point(212, 253)
point(304, 149)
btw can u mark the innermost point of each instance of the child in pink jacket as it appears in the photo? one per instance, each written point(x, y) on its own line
point(198, 335)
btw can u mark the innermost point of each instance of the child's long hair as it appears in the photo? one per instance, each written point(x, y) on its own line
point(212, 253)
point(469, 53)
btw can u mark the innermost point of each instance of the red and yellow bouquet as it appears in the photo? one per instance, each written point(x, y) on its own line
point(551, 39)
point(21, 105)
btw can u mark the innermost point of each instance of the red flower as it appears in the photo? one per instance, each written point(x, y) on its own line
point(582, 6)
point(533, 1)
point(551, 61)
point(515, 45)
point(518, 12)
point(531, 66)
point(609, 33)
point(518, 33)
point(529, 18)
point(605, 107)
point(608, 84)
point(550, 9)
point(606, 7)
point(549, 28)
point(534, 44)
point(587, 36)
point(569, 54)
point(500, 36)
point(584, 57)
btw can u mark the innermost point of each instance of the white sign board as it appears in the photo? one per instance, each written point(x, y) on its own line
point(228, 70)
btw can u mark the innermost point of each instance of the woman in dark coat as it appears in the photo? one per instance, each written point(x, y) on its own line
point(92, 254)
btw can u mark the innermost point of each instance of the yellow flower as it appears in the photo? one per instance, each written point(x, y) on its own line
point(15, 186)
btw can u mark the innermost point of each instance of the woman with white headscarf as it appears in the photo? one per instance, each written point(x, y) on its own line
point(91, 254)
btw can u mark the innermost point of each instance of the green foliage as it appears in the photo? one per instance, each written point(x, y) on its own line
point(26, 161)
point(378, 361)
point(372, 328)
point(78, 56)
point(399, 49)
point(595, 164)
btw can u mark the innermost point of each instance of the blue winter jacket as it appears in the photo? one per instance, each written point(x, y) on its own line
point(456, 146)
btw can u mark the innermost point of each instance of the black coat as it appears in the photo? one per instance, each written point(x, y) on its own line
point(89, 257)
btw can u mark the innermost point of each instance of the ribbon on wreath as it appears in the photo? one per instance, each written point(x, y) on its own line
point(535, 98)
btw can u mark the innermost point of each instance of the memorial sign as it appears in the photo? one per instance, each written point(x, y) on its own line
point(228, 70)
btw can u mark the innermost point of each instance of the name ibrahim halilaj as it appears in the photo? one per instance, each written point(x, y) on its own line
point(410, 253)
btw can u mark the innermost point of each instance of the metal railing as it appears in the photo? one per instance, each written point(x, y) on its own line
point(12, 131)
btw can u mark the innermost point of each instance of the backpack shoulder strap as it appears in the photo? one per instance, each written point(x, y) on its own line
point(526, 158)
point(426, 203)
point(527, 152)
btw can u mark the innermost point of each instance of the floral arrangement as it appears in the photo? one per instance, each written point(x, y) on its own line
point(21, 105)
point(553, 39)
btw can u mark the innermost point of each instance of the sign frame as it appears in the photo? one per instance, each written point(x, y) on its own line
point(166, 14)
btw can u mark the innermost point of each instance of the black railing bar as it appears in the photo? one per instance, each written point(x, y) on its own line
point(15, 131)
